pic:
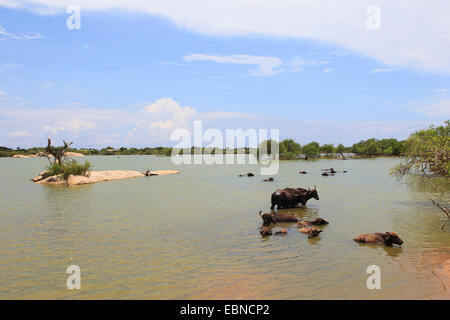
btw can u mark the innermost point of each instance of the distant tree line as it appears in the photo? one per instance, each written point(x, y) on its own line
point(425, 150)
point(288, 149)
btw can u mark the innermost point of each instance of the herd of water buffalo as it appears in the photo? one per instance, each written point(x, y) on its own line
point(291, 197)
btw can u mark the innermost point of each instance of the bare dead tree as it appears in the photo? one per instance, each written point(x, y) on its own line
point(58, 153)
point(443, 208)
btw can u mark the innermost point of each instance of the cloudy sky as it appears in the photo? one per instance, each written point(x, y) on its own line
point(135, 70)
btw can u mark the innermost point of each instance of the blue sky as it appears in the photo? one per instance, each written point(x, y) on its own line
point(135, 72)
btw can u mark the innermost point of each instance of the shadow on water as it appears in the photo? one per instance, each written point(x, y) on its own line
point(59, 197)
point(301, 212)
point(314, 240)
point(416, 213)
point(425, 186)
point(391, 251)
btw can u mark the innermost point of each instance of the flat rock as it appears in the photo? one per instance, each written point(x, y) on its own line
point(98, 176)
point(23, 156)
point(164, 172)
point(74, 154)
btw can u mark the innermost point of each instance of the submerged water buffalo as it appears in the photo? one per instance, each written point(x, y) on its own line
point(311, 232)
point(315, 222)
point(265, 231)
point(274, 217)
point(290, 197)
point(284, 217)
point(281, 232)
point(268, 218)
point(388, 238)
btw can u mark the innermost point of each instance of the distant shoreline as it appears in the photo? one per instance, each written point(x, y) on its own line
point(79, 154)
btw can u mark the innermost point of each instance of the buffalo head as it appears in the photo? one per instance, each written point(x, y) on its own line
point(393, 238)
point(313, 193)
point(268, 218)
point(319, 222)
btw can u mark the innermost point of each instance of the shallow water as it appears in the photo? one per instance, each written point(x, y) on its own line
point(196, 235)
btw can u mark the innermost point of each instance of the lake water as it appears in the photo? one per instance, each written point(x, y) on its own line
point(196, 235)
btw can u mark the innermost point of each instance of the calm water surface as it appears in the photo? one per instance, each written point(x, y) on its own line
point(196, 235)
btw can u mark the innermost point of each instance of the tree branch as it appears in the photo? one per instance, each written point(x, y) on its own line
point(445, 209)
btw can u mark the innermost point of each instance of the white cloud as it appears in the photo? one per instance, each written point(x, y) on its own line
point(149, 125)
point(11, 101)
point(152, 125)
point(265, 65)
point(439, 109)
point(440, 90)
point(73, 126)
point(171, 64)
point(20, 134)
point(168, 109)
point(9, 65)
point(412, 33)
point(22, 36)
point(168, 124)
point(47, 85)
point(12, 65)
point(298, 63)
point(383, 70)
point(72, 105)
point(217, 115)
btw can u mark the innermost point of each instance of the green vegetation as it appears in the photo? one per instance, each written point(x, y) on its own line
point(427, 152)
point(311, 150)
point(69, 167)
point(60, 165)
point(384, 147)
point(340, 149)
point(289, 149)
point(8, 152)
point(267, 146)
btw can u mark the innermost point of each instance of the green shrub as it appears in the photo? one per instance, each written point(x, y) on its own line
point(427, 152)
point(68, 168)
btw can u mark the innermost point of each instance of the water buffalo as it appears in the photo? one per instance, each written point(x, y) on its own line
point(315, 222)
point(290, 197)
point(311, 232)
point(268, 180)
point(302, 172)
point(268, 218)
point(388, 238)
point(274, 217)
point(284, 217)
point(265, 231)
point(281, 232)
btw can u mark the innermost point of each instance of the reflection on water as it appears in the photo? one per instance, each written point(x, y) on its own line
point(436, 186)
point(196, 235)
point(392, 251)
